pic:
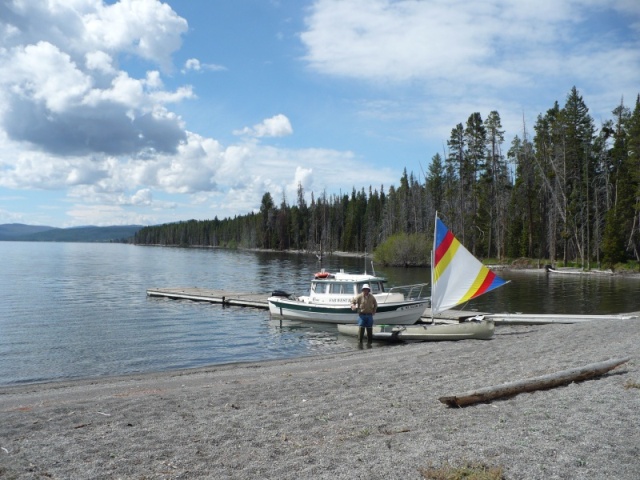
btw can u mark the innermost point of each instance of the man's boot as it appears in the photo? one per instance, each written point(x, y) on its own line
point(369, 335)
point(360, 335)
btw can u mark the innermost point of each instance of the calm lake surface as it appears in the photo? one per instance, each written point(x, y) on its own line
point(79, 310)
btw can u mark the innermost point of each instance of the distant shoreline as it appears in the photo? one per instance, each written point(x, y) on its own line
point(518, 267)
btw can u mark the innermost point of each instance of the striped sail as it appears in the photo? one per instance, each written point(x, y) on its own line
point(456, 275)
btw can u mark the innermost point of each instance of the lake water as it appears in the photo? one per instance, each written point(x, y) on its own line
point(78, 310)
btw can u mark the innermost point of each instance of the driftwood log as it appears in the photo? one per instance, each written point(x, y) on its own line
point(543, 382)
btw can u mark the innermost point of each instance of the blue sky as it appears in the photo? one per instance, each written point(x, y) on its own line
point(147, 112)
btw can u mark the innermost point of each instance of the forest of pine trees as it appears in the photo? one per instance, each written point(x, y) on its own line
point(569, 193)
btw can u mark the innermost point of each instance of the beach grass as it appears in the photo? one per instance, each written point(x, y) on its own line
point(465, 471)
point(631, 384)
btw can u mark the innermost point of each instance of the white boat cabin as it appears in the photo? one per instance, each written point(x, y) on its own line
point(341, 287)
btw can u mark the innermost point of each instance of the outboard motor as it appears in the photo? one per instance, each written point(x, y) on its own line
point(280, 293)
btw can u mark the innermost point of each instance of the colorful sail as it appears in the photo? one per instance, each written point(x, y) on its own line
point(456, 275)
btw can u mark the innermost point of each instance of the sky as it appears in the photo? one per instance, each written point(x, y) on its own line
point(143, 112)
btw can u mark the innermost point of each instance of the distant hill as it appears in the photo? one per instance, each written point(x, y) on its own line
point(19, 229)
point(33, 233)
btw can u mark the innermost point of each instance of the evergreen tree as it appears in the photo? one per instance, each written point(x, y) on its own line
point(578, 138)
point(267, 221)
point(496, 185)
point(474, 167)
point(633, 166)
point(435, 182)
point(457, 167)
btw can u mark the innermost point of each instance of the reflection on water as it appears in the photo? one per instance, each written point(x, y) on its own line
point(81, 310)
point(536, 291)
point(539, 292)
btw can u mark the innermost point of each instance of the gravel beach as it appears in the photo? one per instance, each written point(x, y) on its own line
point(369, 414)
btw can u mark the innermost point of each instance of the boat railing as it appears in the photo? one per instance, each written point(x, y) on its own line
point(416, 291)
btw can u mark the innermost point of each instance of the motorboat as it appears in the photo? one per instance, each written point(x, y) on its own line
point(329, 300)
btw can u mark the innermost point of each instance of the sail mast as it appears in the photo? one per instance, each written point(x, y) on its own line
point(433, 266)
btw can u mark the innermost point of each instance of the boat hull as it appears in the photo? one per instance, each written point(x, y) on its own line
point(478, 330)
point(399, 313)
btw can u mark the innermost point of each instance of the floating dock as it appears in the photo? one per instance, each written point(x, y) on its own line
point(257, 300)
point(544, 319)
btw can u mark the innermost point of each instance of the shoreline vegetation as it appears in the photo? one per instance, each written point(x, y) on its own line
point(630, 269)
point(372, 413)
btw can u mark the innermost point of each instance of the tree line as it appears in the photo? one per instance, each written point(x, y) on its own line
point(570, 192)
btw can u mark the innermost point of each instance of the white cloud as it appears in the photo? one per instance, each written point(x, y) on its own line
point(142, 197)
point(304, 178)
point(193, 64)
point(461, 48)
point(101, 62)
point(60, 86)
point(390, 40)
point(276, 126)
point(107, 215)
point(146, 28)
point(230, 179)
point(44, 75)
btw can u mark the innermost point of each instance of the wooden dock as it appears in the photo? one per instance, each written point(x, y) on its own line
point(257, 300)
point(545, 319)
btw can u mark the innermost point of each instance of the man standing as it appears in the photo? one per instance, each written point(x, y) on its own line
point(366, 305)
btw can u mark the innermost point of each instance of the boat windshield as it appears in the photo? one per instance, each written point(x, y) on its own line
point(323, 288)
point(376, 287)
point(344, 288)
point(341, 288)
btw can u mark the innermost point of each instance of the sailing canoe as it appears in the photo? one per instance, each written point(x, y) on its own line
point(478, 330)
